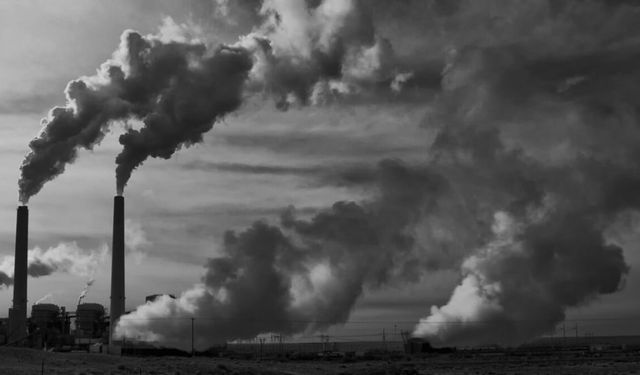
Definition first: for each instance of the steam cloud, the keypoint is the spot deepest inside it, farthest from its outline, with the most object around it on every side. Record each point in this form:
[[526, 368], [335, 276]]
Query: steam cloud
[[65, 257]]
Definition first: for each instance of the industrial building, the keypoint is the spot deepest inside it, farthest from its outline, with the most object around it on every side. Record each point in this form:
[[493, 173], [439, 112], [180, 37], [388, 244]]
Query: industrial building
[[49, 325]]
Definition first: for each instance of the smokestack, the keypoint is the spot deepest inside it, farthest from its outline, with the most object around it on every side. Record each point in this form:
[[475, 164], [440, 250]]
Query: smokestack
[[18, 313], [117, 263]]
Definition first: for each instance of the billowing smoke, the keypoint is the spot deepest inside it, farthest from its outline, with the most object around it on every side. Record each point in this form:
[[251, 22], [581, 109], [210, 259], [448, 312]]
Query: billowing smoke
[[548, 195], [299, 54], [178, 86], [305, 275], [66, 257], [307, 54]]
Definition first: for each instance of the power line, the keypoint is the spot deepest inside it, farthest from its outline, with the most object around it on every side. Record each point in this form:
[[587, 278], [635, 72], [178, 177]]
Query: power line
[[453, 322]]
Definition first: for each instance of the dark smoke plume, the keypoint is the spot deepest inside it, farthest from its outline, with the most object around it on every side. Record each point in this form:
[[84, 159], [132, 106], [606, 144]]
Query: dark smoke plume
[[299, 54], [177, 87]]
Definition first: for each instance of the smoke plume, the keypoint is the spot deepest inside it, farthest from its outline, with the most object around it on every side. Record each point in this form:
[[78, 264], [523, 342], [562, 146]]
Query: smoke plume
[[65, 258], [85, 290], [305, 275], [178, 86], [548, 199]]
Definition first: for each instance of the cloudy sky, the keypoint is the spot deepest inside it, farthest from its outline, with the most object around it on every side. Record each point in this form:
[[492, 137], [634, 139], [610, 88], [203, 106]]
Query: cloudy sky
[[480, 157]]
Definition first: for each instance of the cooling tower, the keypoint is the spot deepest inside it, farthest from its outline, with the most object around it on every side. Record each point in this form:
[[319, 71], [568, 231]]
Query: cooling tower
[[117, 264], [18, 313]]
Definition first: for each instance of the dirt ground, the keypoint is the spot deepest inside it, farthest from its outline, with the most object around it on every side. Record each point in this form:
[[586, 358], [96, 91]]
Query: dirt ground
[[20, 361]]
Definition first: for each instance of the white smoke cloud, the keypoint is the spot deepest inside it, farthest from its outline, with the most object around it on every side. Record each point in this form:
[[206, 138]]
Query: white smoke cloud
[[66, 257], [477, 299]]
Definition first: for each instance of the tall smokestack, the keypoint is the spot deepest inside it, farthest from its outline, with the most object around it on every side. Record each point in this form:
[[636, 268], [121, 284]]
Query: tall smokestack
[[18, 313], [117, 263]]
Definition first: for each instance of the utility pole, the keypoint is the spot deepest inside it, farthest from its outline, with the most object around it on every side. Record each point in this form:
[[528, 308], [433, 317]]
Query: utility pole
[[405, 341], [192, 332], [262, 340], [325, 340], [384, 340], [278, 339]]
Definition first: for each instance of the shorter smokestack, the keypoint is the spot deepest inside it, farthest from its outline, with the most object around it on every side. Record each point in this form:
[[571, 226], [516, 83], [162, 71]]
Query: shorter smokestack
[[117, 264], [18, 313]]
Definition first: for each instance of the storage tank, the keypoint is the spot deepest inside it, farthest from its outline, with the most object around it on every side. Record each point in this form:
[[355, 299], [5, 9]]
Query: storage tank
[[45, 315], [90, 320]]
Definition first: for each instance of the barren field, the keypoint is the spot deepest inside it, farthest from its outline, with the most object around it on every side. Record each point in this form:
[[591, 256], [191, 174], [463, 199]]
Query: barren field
[[26, 361]]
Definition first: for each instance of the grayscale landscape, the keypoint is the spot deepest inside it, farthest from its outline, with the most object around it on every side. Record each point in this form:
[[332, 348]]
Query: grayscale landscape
[[320, 187]]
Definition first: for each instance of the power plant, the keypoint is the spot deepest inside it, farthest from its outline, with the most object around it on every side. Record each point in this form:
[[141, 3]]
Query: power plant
[[49, 325]]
